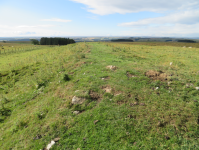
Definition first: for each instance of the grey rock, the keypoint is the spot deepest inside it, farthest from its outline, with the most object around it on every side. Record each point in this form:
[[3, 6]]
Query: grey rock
[[76, 112], [78, 100]]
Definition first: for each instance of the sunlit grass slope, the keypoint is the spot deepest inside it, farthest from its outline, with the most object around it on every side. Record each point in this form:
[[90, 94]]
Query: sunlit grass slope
[[149, 101]]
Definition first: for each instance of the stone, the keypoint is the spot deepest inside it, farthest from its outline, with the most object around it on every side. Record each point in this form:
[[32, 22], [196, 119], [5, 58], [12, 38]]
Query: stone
[[197, 88], [169, 83], [78, 100], [96, 121], [76, 112], [188, 85], [142, 104], [111, 67], [56, 139], [50, 145]]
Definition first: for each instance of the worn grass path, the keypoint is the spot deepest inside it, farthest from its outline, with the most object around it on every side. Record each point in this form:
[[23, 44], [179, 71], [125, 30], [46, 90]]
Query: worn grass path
[[138, 112]]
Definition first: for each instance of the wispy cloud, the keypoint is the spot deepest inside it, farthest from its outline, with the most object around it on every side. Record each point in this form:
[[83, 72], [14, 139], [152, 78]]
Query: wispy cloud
[[104, 7], [93, 17], [26, 26], [186, 17], [56, 20]]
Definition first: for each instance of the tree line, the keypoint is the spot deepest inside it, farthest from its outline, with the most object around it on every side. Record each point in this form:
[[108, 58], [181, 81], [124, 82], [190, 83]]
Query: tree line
[[56, 41], [187, 41], [122, 40], [52, 41]]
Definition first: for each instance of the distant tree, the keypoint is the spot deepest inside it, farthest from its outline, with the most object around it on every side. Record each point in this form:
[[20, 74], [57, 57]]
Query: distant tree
[[34, 41], [4, 41], [56, 41], [187, 41]]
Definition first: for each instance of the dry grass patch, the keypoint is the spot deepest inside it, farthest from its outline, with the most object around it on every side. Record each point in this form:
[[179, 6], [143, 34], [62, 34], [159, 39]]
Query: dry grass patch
[[107, 89], [156, 75]]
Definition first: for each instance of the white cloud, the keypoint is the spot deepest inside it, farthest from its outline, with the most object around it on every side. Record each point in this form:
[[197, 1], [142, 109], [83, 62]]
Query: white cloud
[[26, 26], [56, 20], [177, 30], [104, 7], [186, 17]]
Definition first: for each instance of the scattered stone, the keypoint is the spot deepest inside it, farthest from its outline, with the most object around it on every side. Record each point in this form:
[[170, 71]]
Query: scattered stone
[[117, 93], [184, 46], [169, 83], [56, 139], [76, 91], [197, 88], [96, 121], [84, 138], [171, 63], [78, 100], [132, 104], [156, 88], [78, 149], [111, 67], [160, 124], [190, 47], [142, 104], [127, 133], [105, 78], [76, 112], [129, 75], [188, 85], [38, 136], [195, 101], [50, 145]]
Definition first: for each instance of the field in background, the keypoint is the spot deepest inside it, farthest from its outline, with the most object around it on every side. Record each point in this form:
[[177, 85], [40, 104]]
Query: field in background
[[149, 100], [17, 47], [176, 44]]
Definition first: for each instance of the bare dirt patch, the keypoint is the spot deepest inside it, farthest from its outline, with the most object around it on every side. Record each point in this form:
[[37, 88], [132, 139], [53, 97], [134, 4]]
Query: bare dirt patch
[[129, 75], [105, 78], [155, 75], [107, 89], [94, 95]]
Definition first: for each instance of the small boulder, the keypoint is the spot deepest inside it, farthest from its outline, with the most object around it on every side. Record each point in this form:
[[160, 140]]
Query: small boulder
[[76, 112], [142, 104], [78, 100], [56, 139], [111, 67], [50, 145], [188, 85]]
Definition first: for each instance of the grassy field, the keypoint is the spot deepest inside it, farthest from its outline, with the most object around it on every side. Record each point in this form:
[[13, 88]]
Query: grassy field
[[17, 47], [147, 99]]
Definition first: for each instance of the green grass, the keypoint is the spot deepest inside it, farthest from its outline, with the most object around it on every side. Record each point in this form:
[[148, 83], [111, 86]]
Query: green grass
[[37, 88]]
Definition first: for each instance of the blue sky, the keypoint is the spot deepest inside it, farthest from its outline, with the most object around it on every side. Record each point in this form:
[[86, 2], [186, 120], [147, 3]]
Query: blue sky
[[179, 18]]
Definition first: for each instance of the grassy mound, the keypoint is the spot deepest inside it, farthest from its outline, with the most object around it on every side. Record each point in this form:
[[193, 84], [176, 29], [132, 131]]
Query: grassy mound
[[132, 97]]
